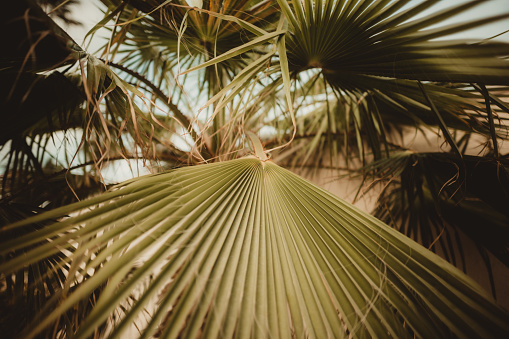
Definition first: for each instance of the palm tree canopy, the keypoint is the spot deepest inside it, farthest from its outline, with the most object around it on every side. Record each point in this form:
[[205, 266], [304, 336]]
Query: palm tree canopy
[[235, 246]]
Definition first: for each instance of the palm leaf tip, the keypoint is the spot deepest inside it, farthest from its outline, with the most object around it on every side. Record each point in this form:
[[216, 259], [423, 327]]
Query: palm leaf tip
[[244, 248]]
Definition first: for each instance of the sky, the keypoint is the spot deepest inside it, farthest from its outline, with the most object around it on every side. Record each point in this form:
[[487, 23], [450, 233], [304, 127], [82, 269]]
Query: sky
[[487, 8]]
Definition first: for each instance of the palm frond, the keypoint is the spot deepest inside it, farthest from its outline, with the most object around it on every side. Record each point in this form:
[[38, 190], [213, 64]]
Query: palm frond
[[27, 291], [246, 248], [425, 192], [373, 38]]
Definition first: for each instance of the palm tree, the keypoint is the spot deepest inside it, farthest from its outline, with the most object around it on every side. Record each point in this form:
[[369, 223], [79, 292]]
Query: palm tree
[[221, 240]]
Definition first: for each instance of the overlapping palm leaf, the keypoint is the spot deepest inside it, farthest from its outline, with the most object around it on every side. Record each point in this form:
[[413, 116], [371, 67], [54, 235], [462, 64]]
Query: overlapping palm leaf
[[27, 291], [167, 38], [425, 192], [377, 49], [157, 28], [95, 107], [381, 38], [81, 116], [373, 54]]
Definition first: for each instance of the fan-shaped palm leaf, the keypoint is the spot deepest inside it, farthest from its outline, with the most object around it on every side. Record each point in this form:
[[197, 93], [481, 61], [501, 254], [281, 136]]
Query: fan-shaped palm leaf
[[346, 38], [245, 248], [377, 49]]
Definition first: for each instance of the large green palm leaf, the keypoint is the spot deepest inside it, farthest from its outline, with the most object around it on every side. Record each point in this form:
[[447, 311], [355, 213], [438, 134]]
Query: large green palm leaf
[[245, 248]]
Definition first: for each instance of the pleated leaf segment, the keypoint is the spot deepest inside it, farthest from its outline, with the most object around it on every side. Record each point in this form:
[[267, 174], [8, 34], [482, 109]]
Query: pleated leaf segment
[[245, 248]]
